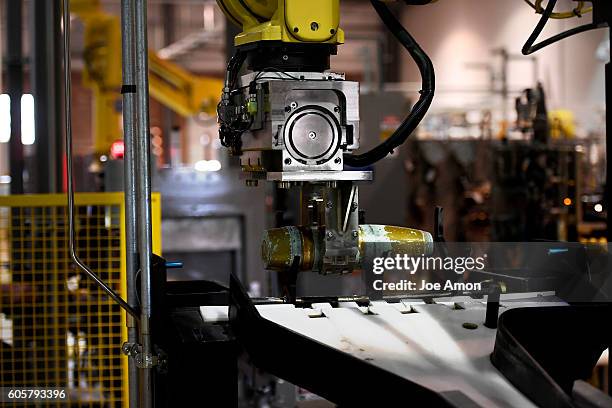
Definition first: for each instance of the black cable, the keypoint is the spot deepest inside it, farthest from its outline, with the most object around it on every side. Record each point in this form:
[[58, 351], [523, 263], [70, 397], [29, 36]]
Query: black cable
[[420, 108], [530, 48], [227, 135], [233, 68]]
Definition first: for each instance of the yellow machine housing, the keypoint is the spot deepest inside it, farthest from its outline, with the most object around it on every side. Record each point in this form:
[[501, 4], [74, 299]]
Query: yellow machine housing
[[288, 21]]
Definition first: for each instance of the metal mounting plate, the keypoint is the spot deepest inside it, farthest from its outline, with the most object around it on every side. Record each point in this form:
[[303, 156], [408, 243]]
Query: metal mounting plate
[[320, 176]]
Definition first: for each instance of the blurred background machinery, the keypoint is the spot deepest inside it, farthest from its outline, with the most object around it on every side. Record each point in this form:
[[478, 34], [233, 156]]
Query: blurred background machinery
[[538, 181]]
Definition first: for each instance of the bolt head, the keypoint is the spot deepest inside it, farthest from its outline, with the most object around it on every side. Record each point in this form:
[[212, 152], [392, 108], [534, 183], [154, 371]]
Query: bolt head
[[355, 234], [330, 235]]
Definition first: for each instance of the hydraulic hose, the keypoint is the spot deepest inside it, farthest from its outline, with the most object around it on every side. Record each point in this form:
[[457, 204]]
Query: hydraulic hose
[[420, 108], [530, 47]]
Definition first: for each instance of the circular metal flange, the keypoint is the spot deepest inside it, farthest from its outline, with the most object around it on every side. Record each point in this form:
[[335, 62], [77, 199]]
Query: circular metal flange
[[312, 135]]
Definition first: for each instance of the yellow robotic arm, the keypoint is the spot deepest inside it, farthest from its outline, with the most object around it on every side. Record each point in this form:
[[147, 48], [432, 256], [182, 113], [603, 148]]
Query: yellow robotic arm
[[102, 70], [180, 90], [171, 85], [295, 123], [288, 21]]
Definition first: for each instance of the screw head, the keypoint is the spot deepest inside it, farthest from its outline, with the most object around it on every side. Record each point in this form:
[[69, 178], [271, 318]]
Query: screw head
[[355, 234], [337, 160], [312, 135], [314, 26], [285, 57], [330, 235], [287, 161], [328, 204], [293, 105]]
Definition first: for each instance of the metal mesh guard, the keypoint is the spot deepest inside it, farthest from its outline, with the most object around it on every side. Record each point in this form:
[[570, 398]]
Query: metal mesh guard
[[57, 329]]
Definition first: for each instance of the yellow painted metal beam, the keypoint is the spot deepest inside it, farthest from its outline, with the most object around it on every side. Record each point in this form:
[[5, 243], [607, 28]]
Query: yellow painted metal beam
[[171, 85], [180, 90]]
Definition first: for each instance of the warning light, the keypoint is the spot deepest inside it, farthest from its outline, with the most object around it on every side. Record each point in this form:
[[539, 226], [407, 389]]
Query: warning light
[[567, 201], [117, 149]]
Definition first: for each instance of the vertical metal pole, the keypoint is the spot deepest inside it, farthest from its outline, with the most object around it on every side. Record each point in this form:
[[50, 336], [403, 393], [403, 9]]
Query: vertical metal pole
[[129, 174], [46, 60], [143, 198], [59, 101], [168, 18], [14, 79]]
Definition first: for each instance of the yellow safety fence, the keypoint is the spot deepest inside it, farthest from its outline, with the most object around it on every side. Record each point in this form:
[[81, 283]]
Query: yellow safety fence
[[57, 328]]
